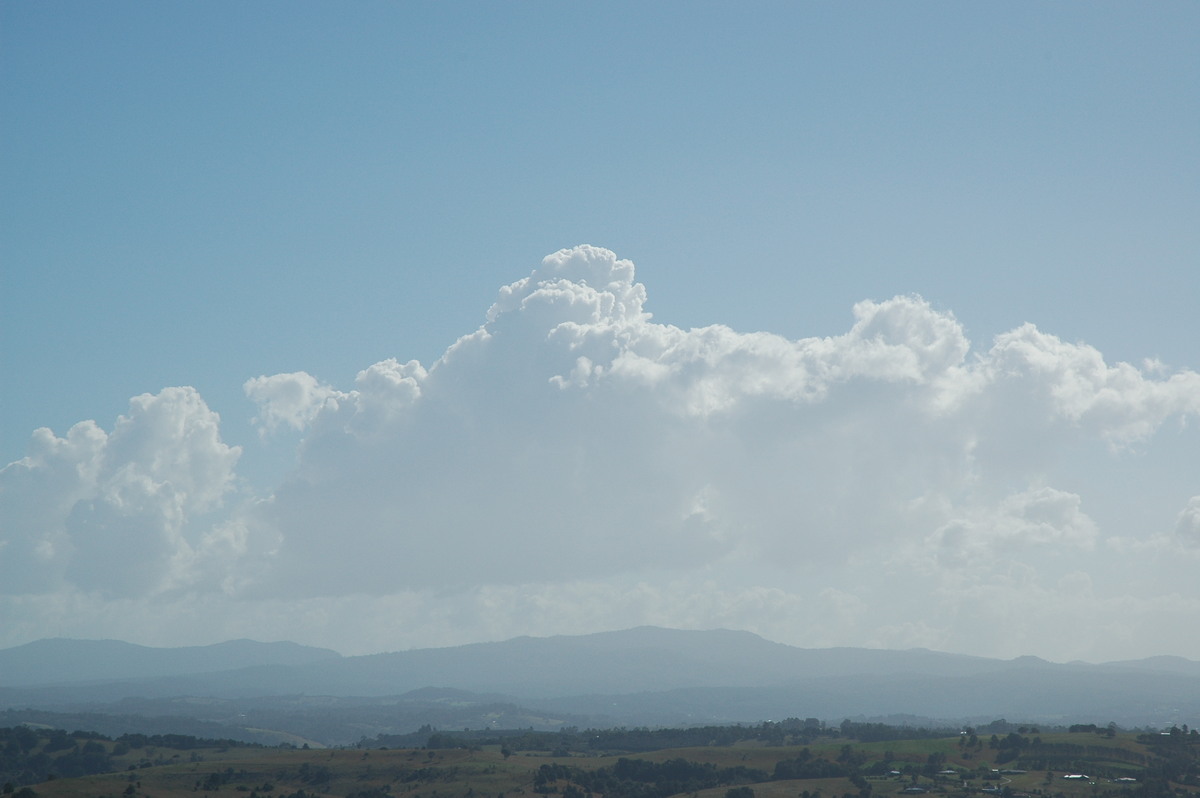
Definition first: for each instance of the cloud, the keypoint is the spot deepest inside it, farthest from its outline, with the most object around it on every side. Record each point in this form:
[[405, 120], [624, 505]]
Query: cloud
[[111, 512], [288, 400], [1074, 384], [1037, 517], [1188, 526], [575, 464]]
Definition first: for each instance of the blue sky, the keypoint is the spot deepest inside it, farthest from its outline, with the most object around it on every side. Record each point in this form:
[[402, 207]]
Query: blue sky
[[199, 195]]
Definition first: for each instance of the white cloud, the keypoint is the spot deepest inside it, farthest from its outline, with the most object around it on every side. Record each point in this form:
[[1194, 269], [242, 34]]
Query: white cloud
[[1118, 402], [291, 400], [110, 512], [574, 464], [1036, 517], [1188, 526]]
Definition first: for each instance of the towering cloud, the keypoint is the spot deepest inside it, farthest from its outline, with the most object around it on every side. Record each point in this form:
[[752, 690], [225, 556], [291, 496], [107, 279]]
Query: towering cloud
[[574, 464]]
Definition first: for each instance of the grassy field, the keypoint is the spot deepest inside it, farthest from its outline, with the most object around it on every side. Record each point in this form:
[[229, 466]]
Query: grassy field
[[245, 772]]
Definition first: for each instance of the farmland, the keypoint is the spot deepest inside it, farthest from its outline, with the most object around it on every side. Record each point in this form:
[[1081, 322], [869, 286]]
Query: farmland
[[826, 763]]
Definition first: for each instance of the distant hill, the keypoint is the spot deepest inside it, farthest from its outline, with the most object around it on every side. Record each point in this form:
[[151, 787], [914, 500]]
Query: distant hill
[[60, 660], [644, 676], [631, 661], [635, 660]]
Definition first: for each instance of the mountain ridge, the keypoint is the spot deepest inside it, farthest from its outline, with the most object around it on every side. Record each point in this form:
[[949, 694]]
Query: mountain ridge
[[693, 655], [642, 676], [60, 660]]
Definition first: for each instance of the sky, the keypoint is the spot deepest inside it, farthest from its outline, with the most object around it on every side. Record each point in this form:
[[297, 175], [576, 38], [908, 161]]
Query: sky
[[380, 326]]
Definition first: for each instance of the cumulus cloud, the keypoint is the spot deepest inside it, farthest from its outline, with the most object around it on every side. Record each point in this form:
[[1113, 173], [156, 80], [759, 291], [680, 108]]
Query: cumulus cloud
[[575, 464], [111, 512], [288, 400], [1040, 516], [1188, 526], [1075, 385]]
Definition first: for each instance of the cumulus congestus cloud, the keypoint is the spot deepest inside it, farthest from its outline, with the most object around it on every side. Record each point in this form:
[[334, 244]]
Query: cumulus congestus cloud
[[576, 464]]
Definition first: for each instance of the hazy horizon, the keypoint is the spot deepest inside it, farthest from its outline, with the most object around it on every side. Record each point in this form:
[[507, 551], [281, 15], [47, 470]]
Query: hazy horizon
[[397, 326], [274, 642]]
